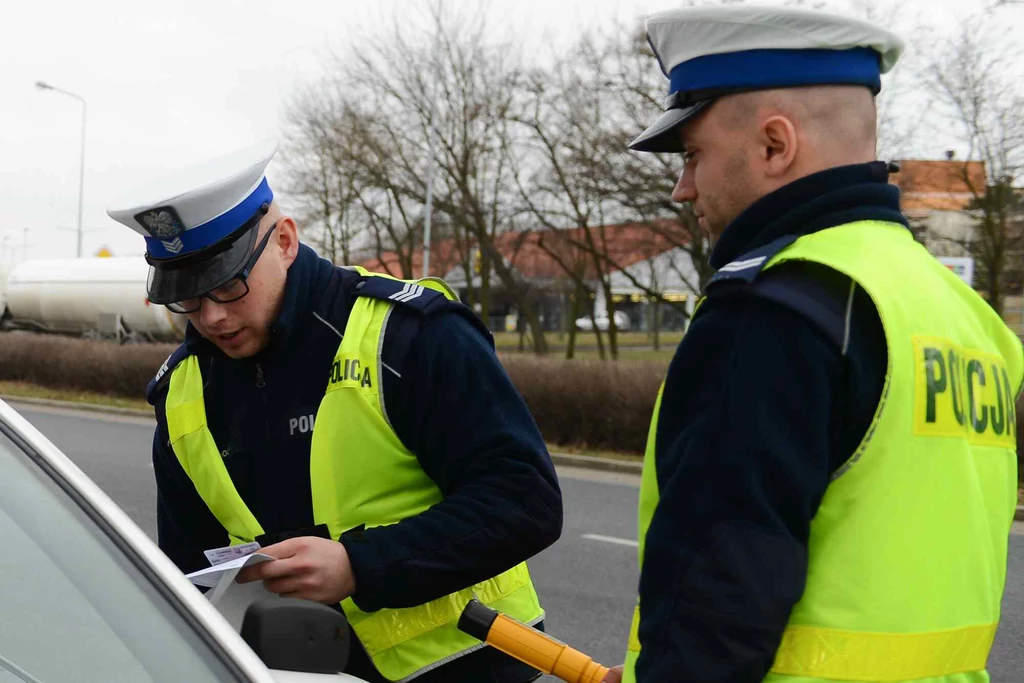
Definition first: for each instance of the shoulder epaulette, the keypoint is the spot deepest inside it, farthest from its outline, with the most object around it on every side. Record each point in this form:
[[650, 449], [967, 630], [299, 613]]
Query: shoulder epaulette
[[405, 293], [747, 267], [163, 375], [821, 295]]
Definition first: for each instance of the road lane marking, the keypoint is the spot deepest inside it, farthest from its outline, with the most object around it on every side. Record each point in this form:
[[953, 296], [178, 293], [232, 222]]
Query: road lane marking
[[611, 539]]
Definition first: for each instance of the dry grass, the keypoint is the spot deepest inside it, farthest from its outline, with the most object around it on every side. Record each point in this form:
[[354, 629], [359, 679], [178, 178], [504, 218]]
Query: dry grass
[[16, 390]]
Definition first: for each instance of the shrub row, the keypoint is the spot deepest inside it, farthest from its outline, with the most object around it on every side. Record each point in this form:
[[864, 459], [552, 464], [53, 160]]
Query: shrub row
[[87, 365], [588, 403], [582, 404]]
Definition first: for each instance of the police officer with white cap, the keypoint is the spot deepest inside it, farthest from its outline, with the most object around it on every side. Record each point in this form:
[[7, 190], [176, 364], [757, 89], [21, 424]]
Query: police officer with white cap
[[830, 475], [359, 428]]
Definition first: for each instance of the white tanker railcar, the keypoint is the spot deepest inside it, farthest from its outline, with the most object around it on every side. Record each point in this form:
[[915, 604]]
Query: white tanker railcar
[[97, 297]]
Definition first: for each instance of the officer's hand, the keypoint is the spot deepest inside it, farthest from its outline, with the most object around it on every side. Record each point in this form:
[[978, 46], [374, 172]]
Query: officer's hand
[[308, 567], [614, 675]]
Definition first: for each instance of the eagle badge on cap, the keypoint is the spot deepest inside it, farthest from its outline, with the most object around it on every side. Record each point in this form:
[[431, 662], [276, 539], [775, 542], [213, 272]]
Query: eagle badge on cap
[[162, 223]]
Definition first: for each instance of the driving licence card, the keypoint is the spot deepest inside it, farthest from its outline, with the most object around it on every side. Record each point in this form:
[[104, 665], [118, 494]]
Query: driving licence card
[[232, 552]]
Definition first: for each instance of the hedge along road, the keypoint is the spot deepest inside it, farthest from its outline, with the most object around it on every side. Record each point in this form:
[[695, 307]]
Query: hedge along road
[[586, 581]]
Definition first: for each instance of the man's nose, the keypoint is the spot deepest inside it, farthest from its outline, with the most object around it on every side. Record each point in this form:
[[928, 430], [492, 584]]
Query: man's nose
[[685, 190], [212, 313]]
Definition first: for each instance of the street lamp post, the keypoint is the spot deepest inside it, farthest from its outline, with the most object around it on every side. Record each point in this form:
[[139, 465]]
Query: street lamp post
[[81, 165]]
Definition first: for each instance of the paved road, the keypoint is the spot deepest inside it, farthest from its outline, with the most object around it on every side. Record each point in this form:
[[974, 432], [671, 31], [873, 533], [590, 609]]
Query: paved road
[[586, 581]]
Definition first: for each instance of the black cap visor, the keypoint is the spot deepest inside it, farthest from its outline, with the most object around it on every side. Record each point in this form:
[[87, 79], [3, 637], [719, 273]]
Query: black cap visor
[[663, 134], [177, 279]]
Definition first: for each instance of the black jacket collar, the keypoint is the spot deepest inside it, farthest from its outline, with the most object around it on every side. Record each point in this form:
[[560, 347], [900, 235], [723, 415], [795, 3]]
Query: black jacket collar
[[816, 202]]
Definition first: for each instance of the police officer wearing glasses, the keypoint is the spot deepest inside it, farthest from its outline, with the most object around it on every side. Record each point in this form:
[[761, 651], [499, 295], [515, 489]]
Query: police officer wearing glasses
[[359, 428]]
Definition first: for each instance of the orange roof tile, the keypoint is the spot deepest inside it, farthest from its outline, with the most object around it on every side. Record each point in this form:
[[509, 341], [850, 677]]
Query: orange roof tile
[[536, 254], [938, 185], [444, 256]]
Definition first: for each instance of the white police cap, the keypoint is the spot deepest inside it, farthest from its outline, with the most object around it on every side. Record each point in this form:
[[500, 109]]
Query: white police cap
[[200, 223], [707, 52]]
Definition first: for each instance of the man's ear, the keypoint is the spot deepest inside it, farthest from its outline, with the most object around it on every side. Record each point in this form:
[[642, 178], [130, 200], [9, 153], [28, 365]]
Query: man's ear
[[778, 145], [287, 239]]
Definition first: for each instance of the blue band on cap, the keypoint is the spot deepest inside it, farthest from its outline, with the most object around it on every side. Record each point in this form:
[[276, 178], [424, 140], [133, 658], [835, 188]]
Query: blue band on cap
[[765, 69], [211, 232]]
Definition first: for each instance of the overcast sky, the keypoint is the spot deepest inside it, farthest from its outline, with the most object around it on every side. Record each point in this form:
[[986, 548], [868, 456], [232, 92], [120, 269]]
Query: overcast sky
[[170, 83]]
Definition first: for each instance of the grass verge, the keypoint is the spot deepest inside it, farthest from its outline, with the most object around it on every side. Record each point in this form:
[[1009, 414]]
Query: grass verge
[[640, 341], [611, 455], [23, 389]]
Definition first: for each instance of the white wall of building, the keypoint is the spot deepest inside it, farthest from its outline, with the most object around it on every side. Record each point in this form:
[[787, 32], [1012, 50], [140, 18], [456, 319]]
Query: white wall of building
[[947, 231]]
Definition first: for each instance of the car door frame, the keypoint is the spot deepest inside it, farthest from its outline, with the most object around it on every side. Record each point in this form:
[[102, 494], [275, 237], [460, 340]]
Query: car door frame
[[194, 610]]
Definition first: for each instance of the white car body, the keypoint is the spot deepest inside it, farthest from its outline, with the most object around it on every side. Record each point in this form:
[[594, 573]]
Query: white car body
[[179, 608], [621, 322]]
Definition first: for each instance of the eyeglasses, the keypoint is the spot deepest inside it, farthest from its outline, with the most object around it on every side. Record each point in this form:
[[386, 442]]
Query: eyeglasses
[[232, 290]]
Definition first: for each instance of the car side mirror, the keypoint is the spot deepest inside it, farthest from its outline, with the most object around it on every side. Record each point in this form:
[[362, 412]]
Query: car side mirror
[[297, 635]]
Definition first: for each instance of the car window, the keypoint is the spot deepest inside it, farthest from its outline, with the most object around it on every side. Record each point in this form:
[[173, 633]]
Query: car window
[[72, 606]]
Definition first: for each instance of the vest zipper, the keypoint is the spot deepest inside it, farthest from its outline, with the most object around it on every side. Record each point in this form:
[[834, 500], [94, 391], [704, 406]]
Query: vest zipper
[[259, 377]]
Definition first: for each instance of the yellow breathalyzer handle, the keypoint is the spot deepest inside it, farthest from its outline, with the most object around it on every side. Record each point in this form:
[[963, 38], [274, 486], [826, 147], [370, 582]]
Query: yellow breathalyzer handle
[[529, 645]]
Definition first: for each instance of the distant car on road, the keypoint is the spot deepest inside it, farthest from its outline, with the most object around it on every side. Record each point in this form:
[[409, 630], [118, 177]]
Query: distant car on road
[[621, 322], [88, 597]]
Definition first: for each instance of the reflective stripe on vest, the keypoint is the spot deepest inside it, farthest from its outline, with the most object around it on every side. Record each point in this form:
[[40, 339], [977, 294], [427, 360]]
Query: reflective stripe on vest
[[360, 474], [891, 657], [902, 585], [647, 503], [192, 444]]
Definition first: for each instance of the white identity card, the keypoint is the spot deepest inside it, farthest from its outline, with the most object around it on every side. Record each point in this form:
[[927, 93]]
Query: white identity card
[[217, 556]]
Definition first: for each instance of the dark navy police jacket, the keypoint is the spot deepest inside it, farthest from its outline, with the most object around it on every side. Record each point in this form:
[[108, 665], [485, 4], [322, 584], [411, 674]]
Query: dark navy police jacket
[[449, 401], [768, 394]]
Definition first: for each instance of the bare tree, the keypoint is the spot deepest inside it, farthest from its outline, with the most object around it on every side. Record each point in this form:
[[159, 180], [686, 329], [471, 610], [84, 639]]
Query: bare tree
[[580, 183], [321, 182], [574, 263], [347, 193], [516, 151], [457, 85], [639, 186], [440, 75], [976, 81], [563, 123]]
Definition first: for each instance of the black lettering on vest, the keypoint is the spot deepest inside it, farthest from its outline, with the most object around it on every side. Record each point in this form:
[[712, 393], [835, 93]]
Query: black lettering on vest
[[347, 364], [979, 422], [997, 425], [935, 380], [366, 378], [336, 372], [955, 377], [355, 374], [1011, 413]]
